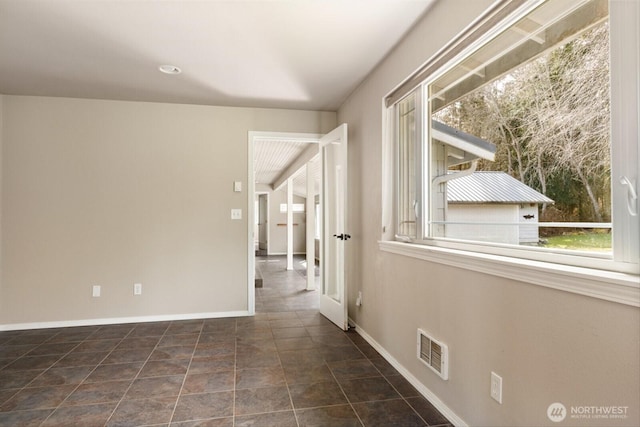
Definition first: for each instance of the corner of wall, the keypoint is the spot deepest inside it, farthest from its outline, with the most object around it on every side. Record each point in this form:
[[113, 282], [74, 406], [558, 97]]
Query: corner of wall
[[1, 173]]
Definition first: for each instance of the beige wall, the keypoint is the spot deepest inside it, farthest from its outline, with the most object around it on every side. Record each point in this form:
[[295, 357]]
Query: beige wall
[[115, 193], [549, 346]]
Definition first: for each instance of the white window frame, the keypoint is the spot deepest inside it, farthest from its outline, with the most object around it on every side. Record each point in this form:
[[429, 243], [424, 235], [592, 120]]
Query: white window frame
[[613, 279]]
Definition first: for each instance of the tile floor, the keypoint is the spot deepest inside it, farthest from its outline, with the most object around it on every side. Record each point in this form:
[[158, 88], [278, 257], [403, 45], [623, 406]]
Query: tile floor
[[280, 368], [284, 290]]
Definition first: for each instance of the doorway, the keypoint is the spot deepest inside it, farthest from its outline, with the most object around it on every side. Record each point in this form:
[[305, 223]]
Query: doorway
[[300, 152], [277, 162]]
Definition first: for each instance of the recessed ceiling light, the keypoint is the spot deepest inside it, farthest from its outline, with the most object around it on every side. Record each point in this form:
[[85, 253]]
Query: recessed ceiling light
[[170, 69]]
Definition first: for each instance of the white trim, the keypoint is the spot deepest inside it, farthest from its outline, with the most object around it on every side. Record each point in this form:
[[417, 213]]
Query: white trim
[[287, 136], [625, 127], [420, 387], [118, 320], [289, 223], [251, 253], [591, 277], [606, 285]]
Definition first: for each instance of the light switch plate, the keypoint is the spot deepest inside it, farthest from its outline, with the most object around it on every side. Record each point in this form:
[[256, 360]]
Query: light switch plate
[[237, 186], [236, 213]]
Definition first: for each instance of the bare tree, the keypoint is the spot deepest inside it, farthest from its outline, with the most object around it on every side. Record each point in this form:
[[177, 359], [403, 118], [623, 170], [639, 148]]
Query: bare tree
[[550, 120]]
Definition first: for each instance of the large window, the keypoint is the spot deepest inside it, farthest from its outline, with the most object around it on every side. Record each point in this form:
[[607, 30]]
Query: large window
[[517, 144]]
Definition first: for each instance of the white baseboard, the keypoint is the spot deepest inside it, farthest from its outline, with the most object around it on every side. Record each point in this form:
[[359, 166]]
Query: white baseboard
[[117, 320], [422, 389]]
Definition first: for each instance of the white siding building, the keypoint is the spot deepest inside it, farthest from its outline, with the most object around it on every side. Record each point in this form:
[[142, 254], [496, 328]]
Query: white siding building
[[492, 197]]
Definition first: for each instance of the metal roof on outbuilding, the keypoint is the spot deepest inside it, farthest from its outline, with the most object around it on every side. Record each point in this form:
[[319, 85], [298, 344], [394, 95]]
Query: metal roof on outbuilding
[[492, 187]]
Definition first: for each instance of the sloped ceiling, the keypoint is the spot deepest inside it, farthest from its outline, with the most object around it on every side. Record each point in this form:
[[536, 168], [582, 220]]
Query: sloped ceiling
[[297, 54], [306, 54]]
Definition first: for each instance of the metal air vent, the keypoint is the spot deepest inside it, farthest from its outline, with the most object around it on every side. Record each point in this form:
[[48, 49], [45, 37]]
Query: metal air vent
[[434, 354]]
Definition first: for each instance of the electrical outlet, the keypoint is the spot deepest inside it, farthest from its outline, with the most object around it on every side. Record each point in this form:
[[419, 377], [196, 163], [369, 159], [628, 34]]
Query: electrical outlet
[[496, 387], [137, 288], [95, 291], [359, 299], [236, 213]]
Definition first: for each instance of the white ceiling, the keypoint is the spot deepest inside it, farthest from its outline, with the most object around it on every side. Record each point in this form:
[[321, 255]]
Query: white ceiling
[[301, 54], [273, 156], [298, 54]]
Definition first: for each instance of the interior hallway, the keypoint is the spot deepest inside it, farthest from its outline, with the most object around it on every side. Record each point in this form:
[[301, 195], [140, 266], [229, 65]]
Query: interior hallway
[[285, 290], [286, 366]]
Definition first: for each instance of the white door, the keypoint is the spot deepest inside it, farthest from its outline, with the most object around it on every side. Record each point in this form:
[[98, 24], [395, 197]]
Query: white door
[[333, 199]]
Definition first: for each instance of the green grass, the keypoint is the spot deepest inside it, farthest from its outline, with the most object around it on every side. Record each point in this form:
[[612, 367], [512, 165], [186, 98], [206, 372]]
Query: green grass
[[584, 241]]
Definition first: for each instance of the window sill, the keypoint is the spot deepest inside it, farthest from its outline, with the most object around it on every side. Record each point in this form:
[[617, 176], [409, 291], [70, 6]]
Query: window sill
[[606, 285]]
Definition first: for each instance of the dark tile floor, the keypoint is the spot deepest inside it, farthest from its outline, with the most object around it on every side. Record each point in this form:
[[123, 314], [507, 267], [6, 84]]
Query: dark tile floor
[[279, 368]]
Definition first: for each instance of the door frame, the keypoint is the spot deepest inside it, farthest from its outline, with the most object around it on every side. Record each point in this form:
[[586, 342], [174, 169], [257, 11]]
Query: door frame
[[258, 195], [251, 194]]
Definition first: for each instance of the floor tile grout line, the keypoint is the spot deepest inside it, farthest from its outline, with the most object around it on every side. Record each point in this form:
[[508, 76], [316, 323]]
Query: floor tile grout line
[[184, 380], [137, 375], [279, 411], [304, 314], [26, 354], [344, 394], [286, 383], [398, 391], [47, 369], [235, 373], [89, 374], [415, 410]]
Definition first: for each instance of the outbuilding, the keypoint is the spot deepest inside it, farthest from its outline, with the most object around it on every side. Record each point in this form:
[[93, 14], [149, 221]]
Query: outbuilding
[[493, 197]]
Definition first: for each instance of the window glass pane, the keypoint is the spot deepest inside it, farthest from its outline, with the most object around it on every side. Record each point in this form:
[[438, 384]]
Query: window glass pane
[[297, 207], [406, 124], [317, 210], [532, 109]]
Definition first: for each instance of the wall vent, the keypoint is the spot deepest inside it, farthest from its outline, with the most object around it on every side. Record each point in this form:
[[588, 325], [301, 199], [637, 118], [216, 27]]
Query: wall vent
[[434, 354]]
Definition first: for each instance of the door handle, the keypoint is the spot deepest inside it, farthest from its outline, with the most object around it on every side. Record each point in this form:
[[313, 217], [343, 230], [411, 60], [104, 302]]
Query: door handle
[[343, 236], [632, 196]]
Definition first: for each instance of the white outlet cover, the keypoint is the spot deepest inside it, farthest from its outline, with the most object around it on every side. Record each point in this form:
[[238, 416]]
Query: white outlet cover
[[95, 291], [236, 213], [137, 288], [496, 387], [237, 186]]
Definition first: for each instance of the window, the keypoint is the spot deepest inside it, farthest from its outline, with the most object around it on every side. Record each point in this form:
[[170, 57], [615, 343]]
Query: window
[[407, 165], [297, 208], [517, 146]]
